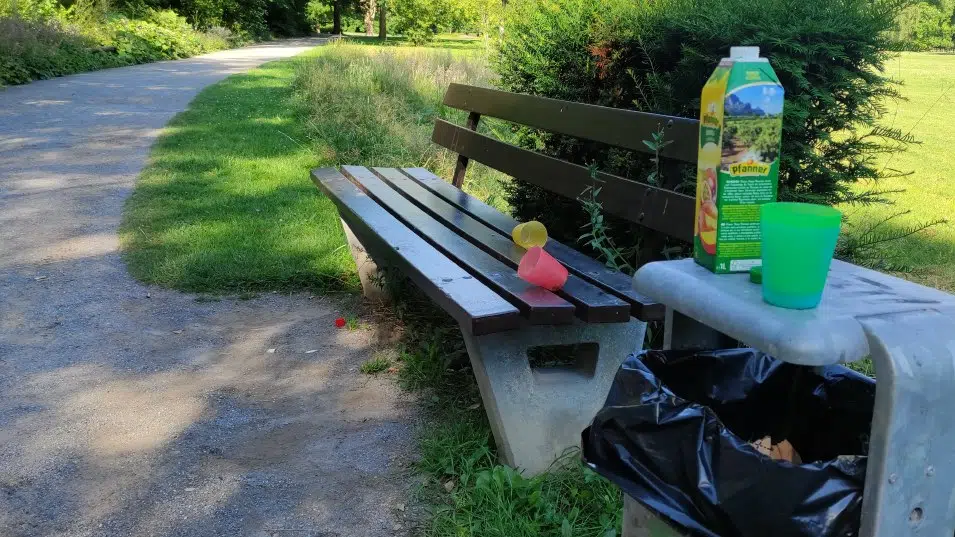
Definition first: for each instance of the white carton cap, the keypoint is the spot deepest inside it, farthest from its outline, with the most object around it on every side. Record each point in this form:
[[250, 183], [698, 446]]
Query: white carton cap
[[744, 53]]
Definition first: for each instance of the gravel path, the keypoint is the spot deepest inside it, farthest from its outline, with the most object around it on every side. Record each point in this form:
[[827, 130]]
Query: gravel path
[[129, 410]]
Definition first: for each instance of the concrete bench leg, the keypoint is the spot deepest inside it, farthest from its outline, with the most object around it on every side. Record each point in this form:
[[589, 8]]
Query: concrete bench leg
[[368, 271], [536, 414], [909, 476]]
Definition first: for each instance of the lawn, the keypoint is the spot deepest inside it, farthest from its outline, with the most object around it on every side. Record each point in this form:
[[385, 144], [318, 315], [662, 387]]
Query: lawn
[[929, 114], [225, 204]]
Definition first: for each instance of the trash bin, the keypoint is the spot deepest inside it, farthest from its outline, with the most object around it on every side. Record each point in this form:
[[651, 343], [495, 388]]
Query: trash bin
[[678, 429]]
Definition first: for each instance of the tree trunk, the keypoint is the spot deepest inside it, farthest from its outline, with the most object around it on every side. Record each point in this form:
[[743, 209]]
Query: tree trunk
[[382, 24], [336, 18], [370, 8]]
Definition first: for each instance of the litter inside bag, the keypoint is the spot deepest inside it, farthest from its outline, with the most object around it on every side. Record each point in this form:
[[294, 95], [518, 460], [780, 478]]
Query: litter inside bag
[[677, 433]]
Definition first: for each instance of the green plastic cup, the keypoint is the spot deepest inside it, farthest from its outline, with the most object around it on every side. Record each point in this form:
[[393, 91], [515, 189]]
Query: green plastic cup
[[798, 242]]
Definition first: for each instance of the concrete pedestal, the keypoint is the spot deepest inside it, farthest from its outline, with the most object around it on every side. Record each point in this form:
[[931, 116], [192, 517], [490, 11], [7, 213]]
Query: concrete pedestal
[[537, 414]]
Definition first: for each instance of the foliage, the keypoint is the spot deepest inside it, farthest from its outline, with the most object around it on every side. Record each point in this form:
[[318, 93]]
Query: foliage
[[318, 14], [41, 39], [655, 56], [31, 50], [250, 19], [418, 19], [596, 234], [927, 25], [870, 244], [286, 17], [421, 20], [142, 41]]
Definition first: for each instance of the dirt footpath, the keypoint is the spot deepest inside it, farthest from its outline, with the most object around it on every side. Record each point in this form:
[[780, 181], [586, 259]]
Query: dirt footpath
[[127, 410]]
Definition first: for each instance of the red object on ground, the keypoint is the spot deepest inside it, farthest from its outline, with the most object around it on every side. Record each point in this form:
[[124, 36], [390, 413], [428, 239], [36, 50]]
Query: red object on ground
[[340, 322], [539, 268]]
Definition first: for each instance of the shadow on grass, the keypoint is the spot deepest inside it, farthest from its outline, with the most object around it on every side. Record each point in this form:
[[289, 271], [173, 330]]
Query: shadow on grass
[[226, 203], [923, 257]]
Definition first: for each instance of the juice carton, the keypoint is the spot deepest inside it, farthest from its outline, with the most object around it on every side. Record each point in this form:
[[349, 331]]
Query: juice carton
[[741, 120]]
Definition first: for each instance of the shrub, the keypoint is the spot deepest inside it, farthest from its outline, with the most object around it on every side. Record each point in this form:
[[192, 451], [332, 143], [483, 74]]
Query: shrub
[[32, 50], [218, 38], [83, 37], [656, 56], [145, 41]]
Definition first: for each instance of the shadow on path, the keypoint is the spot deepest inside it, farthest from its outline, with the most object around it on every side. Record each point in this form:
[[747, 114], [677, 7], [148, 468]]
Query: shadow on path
[[130, 410]]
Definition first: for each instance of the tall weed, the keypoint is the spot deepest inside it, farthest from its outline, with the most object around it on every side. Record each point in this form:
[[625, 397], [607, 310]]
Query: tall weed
[[376, 107]]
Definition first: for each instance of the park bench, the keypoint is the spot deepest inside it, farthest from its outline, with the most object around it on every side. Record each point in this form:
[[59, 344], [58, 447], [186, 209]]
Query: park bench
[[458, 250]]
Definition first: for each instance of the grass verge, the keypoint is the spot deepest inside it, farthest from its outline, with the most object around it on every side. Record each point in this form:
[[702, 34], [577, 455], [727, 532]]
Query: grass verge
[[225, 203]]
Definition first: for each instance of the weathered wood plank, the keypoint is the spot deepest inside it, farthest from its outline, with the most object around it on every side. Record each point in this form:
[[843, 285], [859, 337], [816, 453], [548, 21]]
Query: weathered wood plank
[[467, 300], [593, 305], [583, 266], [538, 305], [612, 126], [655, 208]]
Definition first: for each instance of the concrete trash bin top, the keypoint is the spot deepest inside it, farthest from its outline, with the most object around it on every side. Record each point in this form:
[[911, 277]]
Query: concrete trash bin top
[[829, 333]]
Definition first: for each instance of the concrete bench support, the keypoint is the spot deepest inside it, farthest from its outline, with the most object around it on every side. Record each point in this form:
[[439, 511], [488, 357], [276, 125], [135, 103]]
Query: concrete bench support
[[368, 271], [908, 485], [536, 414]]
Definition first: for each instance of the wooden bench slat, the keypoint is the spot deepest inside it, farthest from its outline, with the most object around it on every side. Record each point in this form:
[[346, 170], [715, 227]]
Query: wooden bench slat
[[612, 126], [592, 304], [586, 267], [655, 208], [466, 299], [538, 305]]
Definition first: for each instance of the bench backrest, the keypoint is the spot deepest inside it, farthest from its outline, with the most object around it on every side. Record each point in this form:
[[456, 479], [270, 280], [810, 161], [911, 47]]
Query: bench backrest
[[656, 208]]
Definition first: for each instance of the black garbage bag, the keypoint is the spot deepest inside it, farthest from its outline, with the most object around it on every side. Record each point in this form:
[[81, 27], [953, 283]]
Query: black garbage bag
[[676, 432]]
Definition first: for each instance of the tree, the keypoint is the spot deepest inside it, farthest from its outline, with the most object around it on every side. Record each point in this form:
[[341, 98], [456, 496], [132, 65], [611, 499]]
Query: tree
[[370, 7], [336, 17], [382, 24]]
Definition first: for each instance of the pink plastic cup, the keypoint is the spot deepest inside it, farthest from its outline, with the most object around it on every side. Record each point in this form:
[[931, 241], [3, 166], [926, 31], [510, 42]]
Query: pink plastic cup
[[539, 268]]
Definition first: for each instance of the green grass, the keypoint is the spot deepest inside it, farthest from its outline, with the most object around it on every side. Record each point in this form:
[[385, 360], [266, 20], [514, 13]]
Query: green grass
[[374, 365], [225, 203], [929, 114]]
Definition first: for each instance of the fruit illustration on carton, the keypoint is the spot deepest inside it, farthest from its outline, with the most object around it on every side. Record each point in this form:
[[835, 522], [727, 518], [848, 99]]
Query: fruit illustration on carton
[[738, 165]]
